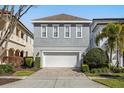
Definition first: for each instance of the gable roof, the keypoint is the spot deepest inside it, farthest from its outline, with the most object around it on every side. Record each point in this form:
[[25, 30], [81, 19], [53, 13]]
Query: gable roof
[[61, 17]]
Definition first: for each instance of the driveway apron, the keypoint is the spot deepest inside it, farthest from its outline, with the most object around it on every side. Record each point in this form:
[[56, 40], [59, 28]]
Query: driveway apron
[[55, 78]]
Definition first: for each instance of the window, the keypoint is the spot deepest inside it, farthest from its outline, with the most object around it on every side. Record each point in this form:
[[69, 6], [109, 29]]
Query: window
[[78, 31], [17, 32], [67, 31], [44, 31], [55, 31], [26, 38], [22, 35]]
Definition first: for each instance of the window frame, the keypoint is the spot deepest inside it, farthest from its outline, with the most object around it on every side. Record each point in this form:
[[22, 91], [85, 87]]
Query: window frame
[[65, 30], [77, 30], [54, 30], [41, 30]]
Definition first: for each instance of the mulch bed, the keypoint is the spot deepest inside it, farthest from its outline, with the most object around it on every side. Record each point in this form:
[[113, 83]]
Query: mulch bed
[[6, 74], [6, 81]]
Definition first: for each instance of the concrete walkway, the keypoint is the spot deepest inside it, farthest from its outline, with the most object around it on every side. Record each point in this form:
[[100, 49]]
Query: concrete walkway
[[55, 78], [14, 77]]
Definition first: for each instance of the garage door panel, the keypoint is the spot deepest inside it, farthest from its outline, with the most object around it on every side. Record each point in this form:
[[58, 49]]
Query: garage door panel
[[60, 60]]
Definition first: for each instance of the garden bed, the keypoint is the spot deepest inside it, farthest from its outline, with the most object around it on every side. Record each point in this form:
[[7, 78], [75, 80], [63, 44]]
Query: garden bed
[[6, 81]]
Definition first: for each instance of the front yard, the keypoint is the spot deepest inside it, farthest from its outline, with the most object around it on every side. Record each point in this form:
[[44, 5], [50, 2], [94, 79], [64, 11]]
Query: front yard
[[15, 76], [113, 80], [17, 70]]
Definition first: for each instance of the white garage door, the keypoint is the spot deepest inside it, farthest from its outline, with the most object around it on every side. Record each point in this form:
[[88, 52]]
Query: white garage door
[[60, 61]]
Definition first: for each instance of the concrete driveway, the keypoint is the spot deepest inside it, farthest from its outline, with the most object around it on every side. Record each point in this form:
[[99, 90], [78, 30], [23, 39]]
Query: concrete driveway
[[55, 78]]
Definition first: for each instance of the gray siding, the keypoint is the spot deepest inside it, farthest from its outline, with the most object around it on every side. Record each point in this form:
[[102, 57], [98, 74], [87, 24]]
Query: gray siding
[[96, 31], [61, 41]]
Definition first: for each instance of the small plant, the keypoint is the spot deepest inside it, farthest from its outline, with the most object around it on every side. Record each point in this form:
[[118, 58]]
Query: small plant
[[85, 68], [6, 68], [29, 62]]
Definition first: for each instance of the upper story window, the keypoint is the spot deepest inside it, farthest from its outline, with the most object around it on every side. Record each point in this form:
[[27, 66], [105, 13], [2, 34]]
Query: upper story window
[[67, 31], [55, 31], [22, 35], [26, 38], [78, 31], [17, 32], [44, 31]]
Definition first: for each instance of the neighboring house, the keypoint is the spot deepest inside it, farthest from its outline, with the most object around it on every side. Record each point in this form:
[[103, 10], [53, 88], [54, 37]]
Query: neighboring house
[[60, 40], [20, 43], [96, 28]]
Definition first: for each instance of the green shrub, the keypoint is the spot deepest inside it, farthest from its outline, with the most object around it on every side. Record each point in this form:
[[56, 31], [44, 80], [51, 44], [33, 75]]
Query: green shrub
[[96, 58], [85, 68], [94, 70], [116, 69], [6, 68], [122, 70], [29, 62], [100, 70], [37, 62]]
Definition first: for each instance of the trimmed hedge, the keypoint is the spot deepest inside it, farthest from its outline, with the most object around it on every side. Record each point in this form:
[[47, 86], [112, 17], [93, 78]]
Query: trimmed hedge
[[96, 58], [28, 61], [117, 69], [85, 68], [37, 62], [100, 70], [6, 68]]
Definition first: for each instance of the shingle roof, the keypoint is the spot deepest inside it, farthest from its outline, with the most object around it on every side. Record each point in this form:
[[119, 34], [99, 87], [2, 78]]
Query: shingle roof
[[62, 17]]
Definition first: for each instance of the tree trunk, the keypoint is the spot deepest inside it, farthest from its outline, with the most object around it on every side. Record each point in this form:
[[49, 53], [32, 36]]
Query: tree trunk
[[110, 60], [117, 55]]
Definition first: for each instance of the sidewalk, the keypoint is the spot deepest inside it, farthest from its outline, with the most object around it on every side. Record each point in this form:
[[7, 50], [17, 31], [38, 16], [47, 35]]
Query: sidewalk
[[14, 77]]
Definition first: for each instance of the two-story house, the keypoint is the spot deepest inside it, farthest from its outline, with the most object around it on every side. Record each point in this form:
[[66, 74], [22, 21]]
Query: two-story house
[[96, 28], [21, 41], [60, 40]]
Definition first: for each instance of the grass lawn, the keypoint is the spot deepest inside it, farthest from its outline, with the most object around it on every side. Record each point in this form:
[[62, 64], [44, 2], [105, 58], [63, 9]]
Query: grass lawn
[[113, 83], [23, 73]]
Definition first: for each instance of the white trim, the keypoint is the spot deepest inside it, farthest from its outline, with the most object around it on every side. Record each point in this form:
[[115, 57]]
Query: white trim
[[69, 30], [61, 21], [81, 30], [41, 30], [60, 51], [53, 30]]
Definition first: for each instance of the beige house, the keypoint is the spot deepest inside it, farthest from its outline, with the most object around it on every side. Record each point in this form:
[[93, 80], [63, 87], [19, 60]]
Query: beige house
[[21, 42]]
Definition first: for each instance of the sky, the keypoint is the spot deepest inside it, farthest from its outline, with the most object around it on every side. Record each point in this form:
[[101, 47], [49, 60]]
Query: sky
[[84, 11]]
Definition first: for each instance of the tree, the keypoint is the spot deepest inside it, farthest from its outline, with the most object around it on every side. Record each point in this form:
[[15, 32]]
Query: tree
[[108, 32], [9, 17], [119, 40]]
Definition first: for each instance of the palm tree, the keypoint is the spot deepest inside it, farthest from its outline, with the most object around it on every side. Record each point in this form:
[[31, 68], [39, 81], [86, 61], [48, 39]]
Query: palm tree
[[108, 32], [119, 41]]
